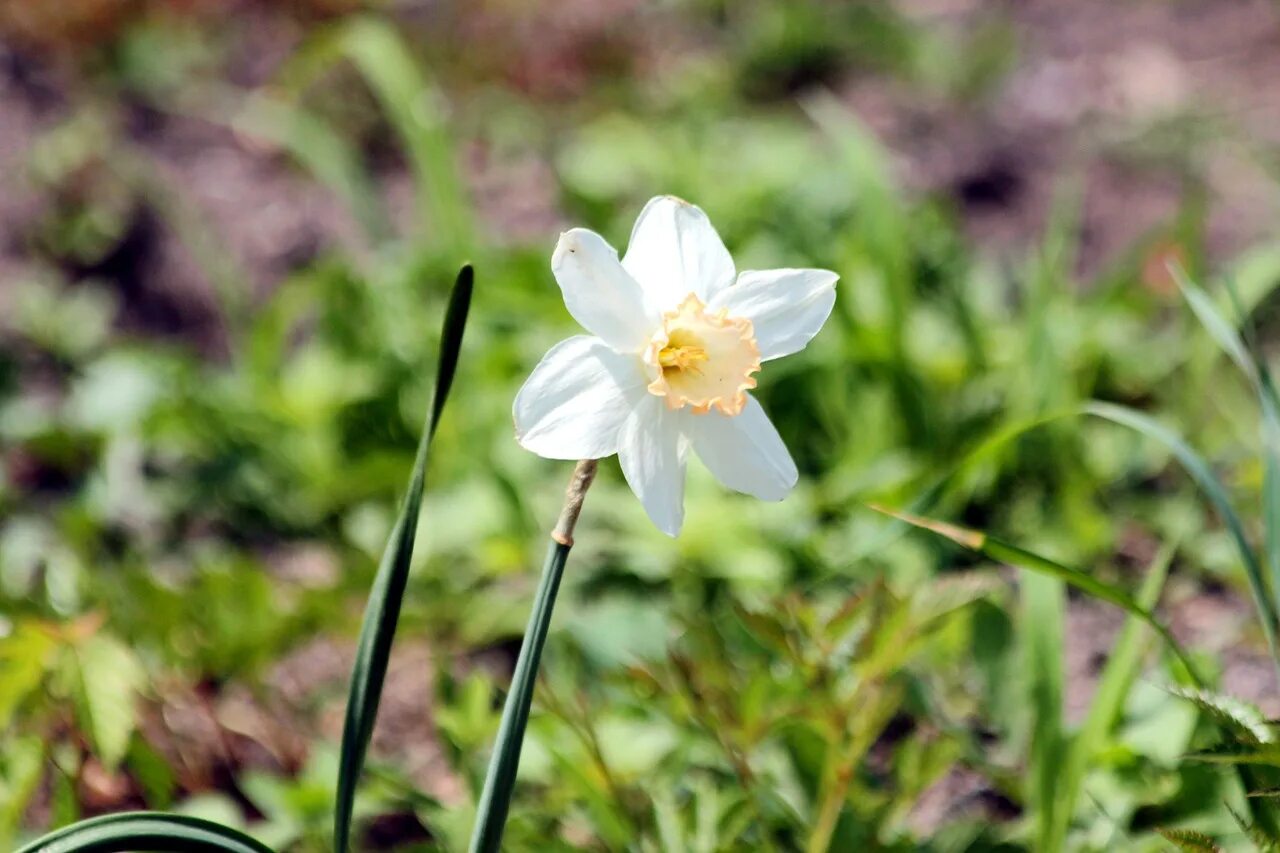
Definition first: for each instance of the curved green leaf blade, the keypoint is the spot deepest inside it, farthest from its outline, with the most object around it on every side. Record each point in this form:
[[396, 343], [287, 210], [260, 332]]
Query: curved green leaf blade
[[1254, 368], [1218, 327], [136, 832], [414, 109], [1012, 555], [383, 610], [1200, 471], [500, 780]]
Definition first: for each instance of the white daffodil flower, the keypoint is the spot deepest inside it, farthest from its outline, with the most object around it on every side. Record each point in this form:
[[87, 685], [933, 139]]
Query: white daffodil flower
[[676, 340]]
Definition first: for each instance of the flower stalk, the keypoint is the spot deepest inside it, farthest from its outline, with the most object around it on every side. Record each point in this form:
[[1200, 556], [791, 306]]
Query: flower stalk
[[500, 780]]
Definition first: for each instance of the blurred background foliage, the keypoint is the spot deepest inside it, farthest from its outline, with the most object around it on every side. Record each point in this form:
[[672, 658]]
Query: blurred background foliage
[[226, 235]]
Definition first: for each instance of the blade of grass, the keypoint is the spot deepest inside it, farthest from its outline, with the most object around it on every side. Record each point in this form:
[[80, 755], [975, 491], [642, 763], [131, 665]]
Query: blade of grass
[[500, 780], [414, 109], [1269, 401], [1012, 555], [1200, 471], [934, 493], [882, 217], [1043, 608], [317, 146], [1222, 332], [1109, 697], [1191, 461], [135, 832], [383, 609], [1254, 368]]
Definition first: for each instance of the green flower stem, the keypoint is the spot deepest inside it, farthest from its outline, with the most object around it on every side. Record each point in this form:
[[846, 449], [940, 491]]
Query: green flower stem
[[495, 800]]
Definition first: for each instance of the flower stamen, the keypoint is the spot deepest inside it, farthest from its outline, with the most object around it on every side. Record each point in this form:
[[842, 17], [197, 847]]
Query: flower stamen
[[681, 358], [702, 360]]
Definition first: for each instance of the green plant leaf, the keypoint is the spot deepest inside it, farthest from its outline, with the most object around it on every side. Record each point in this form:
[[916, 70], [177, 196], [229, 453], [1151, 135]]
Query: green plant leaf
[[1239, 720], [1200, 471], [1266, 754], [1255, 370], [414, 109], [1222, 331], [1108, 702], [1044, 604], [109, 678], [1011, 554], [25, 657], [383, 610], [1190, 841], [21, 768], [136, 832], [318, 147], [1263, 841], [500, 780]]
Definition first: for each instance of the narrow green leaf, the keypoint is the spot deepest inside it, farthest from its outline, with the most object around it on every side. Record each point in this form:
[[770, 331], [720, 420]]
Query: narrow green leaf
[[136, 832], [1012, 555], [383, 610], [500, 780], [1108, 700], [1200, 471], [1267, 754], [415, 111], [1015, 556], [1044, 604], [981, 452], [1222, 331], [1255, 370], [319, 148]]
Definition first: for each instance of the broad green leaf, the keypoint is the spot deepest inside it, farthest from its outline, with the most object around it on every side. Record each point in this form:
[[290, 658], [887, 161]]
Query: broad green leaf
[[109, 678], [21, 767], [24, 659], [383, 610]]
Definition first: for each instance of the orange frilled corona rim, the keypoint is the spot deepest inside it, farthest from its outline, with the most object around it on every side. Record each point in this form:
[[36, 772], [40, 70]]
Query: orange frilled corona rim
[[702, 360]]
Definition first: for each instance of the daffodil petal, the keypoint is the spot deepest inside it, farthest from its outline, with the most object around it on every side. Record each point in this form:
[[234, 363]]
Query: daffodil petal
[[599, 293], [744, 451], [787, 307], [674, 251], [651, 451], [576, 400]]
